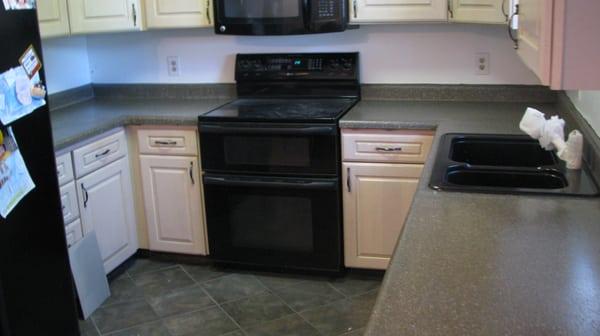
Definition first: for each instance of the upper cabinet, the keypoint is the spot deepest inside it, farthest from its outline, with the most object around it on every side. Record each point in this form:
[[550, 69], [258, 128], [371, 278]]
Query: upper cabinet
[[388, 11], [94, 16], [53, 17], [178, 13], [479, 11], [557, 39]]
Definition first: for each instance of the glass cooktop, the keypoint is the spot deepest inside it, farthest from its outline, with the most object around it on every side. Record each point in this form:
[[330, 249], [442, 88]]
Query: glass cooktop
[[283, 110]]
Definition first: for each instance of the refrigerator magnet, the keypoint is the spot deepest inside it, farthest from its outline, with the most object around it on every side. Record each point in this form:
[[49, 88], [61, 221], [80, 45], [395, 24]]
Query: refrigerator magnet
[[18, 4], [30, 62], [22, 95]]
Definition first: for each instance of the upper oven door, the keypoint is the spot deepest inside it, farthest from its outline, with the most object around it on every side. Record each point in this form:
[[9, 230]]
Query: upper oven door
[[260, 17], [299, 149]]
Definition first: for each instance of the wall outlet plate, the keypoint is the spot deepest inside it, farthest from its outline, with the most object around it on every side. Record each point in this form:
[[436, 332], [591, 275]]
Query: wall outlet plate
[[482, 63], [173, 66]]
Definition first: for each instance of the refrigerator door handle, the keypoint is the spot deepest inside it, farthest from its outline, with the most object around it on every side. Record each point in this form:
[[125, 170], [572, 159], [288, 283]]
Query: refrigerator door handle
[[86, 196]]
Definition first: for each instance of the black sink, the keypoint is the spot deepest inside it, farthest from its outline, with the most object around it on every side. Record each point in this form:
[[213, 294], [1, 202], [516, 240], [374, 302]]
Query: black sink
[[505, 164]]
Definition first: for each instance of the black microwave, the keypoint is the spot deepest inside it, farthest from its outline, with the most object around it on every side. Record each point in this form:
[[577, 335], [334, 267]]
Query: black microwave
[[280, 17]]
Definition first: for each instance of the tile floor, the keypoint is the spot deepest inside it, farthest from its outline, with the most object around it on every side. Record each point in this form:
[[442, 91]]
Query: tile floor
[[156, 298]]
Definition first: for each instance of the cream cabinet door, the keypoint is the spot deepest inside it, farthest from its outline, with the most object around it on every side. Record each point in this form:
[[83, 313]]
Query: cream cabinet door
[[377, 198], [535, 36], [385, 11], [106, 205], [479, 11], [53, 18], [95, 16], [173, 205], [178, 13]]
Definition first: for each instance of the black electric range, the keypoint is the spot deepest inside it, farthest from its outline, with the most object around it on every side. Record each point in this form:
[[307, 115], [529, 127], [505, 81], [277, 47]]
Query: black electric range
[[271, 161]]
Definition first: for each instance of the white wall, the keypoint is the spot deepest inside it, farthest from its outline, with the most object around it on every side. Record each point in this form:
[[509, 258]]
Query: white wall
[[66, 63], [588, 103], [441, 53]]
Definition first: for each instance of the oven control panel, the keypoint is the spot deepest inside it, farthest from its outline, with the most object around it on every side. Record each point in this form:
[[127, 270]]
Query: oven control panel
[[332, 66]]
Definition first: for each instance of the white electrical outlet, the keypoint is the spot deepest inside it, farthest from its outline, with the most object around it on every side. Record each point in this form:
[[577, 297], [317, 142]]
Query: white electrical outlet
[[482, 63], [173, 66]]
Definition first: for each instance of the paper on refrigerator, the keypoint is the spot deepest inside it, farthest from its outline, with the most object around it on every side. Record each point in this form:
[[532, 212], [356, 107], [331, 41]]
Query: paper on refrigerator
[[17, 97], [19, 4], [15, 182]]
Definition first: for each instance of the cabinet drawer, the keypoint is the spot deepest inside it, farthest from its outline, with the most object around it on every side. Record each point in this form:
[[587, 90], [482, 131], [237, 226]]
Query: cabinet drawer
[[64, 168], [99, 153], [167, 142], [386, 146], [68, 199], [74, 233]]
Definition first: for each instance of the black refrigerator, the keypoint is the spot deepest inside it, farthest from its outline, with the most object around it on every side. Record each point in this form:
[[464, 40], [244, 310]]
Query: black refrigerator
[[36, 289]]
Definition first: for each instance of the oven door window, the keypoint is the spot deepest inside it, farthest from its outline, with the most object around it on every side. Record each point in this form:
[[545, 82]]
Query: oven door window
[[282, 222], [297, 151], [262, 9]]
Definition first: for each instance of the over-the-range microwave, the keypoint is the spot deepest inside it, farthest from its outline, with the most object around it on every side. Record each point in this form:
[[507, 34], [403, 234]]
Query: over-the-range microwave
[[280, 17]]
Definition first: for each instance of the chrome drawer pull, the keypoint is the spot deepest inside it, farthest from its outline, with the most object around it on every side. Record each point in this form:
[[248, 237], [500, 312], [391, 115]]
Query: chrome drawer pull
[[387, 149], [165, 143]]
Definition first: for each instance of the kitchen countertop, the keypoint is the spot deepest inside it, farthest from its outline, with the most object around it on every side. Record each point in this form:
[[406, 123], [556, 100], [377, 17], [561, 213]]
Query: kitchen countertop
[[482, 264], [78, 122], [466, 264]]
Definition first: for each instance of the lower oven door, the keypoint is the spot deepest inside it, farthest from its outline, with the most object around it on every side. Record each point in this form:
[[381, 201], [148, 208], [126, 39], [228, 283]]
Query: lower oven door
[[279, 222], [273, 149]]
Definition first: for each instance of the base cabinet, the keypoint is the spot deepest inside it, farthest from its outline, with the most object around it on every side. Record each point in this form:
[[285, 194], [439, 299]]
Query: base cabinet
[[377, 198], [172, 200], [106, 205]]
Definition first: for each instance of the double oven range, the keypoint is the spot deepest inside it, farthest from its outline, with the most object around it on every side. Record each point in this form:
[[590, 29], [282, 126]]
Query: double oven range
[[271, 161]]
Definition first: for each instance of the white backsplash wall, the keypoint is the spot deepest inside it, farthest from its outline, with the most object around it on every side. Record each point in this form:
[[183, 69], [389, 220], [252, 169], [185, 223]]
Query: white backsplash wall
[[433, 53], [66, 63], [588, 104]]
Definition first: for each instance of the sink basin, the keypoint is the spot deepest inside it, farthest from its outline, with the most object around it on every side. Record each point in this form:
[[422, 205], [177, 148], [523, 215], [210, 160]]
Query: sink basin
[[493, 151], [505, 164]]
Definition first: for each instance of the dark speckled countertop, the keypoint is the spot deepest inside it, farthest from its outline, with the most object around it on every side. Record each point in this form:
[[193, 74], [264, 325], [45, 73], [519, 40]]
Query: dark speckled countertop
[[78, 122], [478, 264], [465, 264]]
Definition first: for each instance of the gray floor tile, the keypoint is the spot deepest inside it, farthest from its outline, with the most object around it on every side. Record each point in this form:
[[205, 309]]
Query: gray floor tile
[[274, 281], [202, 273], [355, 285], [233, 287], [308, 294], [182, 300], [257, 309], [141, 265], [123, 315], [87, 328], [209, 322], [291, 325], [122, 290], [342, 316], [148, 329], [162, 282]]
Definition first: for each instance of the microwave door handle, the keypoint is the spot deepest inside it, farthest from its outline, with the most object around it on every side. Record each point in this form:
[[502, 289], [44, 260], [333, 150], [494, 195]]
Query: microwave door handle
[[229, 182], [311, 130], [306, 11]]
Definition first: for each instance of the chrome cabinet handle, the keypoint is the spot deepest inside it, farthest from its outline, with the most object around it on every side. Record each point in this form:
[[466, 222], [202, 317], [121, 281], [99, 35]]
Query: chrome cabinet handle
[[106, 152], [514, 38], [208, 12], [165, 143], [134, 13], [354, 6], [504, 12], [86, 196], [450, 9], [348, 182], [192, 172], [388, 149]]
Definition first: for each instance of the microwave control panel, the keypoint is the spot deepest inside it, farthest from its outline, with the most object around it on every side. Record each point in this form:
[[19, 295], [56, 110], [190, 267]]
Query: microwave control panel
[[327, 9], [302, 66]]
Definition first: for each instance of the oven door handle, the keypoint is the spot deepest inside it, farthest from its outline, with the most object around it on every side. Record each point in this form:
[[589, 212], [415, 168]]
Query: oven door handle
[[296, 184], [309, 130]]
